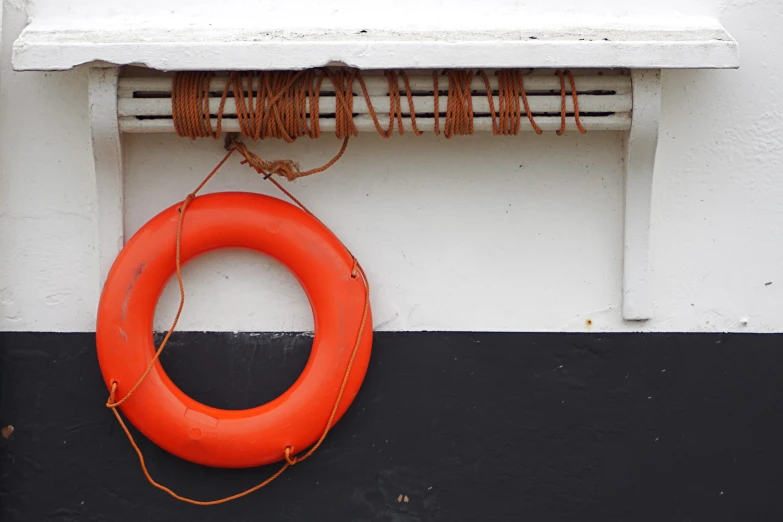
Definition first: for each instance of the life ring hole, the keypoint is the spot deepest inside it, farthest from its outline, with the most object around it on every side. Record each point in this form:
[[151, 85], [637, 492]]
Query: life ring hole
[[237, 296]]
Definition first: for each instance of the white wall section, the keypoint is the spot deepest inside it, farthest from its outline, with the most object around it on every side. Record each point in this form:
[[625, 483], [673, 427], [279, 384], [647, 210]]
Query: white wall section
[[475, 233]]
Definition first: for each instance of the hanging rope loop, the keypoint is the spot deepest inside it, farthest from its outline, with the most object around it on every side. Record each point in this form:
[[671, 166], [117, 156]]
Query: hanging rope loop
[[263, 167]]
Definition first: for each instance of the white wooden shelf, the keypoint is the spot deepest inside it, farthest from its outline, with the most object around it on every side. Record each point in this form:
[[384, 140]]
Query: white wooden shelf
[[645, 43]]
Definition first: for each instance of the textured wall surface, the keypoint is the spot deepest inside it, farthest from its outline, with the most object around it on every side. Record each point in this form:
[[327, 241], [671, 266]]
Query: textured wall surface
[[479, 233]]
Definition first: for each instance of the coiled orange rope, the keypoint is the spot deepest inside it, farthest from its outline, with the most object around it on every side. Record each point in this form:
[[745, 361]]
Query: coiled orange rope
[[285, 105]]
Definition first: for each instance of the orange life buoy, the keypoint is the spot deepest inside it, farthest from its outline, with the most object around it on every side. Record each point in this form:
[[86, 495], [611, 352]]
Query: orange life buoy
[[233, 438]]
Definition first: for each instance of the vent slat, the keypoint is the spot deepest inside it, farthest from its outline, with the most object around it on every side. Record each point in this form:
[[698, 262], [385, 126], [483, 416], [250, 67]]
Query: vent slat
[[605, 102], [377, 85], [422, 104], [612, 122]]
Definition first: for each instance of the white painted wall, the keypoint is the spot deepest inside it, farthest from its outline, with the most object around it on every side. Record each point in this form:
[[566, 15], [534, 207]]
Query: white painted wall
[[477, 233]]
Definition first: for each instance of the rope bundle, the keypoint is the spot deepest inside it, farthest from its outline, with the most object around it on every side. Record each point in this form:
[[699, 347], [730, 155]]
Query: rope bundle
[[285, 105]]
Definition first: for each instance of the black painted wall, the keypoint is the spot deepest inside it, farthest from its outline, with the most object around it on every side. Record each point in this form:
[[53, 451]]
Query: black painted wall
[[470, 427]]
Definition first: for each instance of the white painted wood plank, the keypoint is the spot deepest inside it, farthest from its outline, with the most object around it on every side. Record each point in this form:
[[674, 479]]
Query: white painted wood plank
[[560, 42], [107, 153], [615, 122], [419, 82], [641, 146], [422, 104]]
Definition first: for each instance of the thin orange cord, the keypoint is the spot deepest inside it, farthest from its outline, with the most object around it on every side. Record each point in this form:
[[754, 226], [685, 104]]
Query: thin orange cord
[[518, 75], [356, 271], [168, 490], [563, 111], [575, 97], [412, 109], [491, 99]]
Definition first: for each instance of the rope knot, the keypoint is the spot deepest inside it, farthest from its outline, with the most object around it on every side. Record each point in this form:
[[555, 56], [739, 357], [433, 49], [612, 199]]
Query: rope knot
[[289, 458], [111, 402], [354, 268], [288, 169]]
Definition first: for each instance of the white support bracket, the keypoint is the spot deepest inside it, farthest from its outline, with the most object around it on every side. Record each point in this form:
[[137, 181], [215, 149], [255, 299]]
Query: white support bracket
[[107, 154], [641, 146]]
